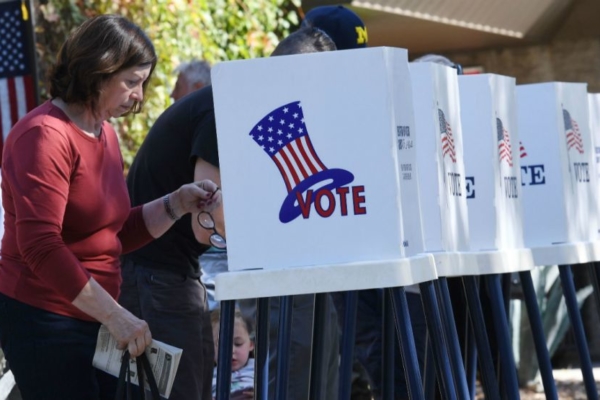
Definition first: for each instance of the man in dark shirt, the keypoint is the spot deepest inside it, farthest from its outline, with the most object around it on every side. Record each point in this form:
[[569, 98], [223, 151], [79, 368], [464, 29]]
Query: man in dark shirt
[[161, 280]]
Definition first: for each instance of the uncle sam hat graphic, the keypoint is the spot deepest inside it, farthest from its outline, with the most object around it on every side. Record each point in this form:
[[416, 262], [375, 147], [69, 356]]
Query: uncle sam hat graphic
[[283, 135]]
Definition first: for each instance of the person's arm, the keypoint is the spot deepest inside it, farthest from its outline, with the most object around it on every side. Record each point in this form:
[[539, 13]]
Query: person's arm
[[129, 331], [205, 170], [190, 198]]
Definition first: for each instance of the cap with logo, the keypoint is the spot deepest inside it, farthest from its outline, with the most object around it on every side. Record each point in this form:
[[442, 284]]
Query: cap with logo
[[344, 27]]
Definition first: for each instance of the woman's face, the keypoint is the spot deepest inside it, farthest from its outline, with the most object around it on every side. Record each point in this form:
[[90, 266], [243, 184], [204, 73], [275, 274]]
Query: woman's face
[[122, 90]]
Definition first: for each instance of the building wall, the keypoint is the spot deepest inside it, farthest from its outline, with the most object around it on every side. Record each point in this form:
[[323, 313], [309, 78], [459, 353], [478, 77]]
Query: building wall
[[576, 60]]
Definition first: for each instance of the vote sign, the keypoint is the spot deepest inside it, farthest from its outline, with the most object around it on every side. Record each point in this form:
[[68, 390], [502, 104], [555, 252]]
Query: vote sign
[[308, 148]]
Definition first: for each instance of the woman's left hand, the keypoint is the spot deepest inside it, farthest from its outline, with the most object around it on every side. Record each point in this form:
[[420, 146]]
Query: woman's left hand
[[194, 197]]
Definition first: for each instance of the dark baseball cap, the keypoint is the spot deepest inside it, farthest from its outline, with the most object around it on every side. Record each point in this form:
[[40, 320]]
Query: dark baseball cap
[[342, 25]]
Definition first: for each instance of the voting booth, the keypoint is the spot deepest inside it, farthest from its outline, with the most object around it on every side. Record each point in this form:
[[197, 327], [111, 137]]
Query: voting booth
[[559, 193], [317, 154], [493, 176], [441, 171], [310, 165]]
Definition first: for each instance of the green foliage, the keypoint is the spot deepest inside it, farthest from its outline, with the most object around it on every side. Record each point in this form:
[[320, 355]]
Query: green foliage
[[213, 30]]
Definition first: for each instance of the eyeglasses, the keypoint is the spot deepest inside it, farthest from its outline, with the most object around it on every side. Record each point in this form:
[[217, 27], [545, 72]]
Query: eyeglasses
[[206, 221]]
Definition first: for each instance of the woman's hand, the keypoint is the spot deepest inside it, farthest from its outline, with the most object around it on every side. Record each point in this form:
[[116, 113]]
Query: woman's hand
[[194, 197], [130, 332]]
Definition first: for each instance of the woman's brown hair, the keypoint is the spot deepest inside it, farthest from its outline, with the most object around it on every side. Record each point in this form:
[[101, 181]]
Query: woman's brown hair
[[97, 50]]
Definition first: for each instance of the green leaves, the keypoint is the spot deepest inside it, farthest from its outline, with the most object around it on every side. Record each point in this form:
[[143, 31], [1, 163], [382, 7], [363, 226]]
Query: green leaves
[[215, 30]]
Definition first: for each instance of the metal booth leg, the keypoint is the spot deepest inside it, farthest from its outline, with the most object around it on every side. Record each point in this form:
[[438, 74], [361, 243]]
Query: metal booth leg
[[261, 376], [507, 360], [566, 279], [283, 346], [429, 381], [486, 363], [389, 348], [439, 346], [225, 349], [347, 346], [399, 304], [539, 339], [470, 359], [449, 325], [594, 271], [318, 346]]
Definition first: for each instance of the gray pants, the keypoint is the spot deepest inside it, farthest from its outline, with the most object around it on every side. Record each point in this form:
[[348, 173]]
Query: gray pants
[[174, 306]]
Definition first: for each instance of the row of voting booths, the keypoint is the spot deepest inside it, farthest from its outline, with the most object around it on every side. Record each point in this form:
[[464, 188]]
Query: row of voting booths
[[356, 169]]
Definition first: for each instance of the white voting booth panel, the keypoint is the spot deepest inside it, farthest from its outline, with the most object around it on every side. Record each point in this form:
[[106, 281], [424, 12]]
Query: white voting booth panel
[[559, 192], [594, 115], [491, 157], [440, 166], [594, 109], [308, 148], [440, 157]]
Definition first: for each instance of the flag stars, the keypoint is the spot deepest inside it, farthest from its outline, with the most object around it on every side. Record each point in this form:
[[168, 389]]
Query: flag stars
[[302, 120], [270, 139], [300, 130], [281, 122], [260, 128], [285, 110], [271, 149], [271, 118], [289, 135], [279, 132], [295, 115], [261, 137], [280, 142], [270, 130], [291, 126]]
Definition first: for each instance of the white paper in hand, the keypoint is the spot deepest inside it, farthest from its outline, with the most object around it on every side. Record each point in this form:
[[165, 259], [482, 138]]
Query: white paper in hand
[[163, 358]]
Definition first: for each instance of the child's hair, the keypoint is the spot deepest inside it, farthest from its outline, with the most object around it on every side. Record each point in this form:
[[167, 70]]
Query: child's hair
[[215, 319]]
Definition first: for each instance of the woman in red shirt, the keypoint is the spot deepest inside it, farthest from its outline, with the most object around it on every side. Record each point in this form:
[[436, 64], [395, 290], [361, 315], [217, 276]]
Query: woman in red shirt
[[68, 216]]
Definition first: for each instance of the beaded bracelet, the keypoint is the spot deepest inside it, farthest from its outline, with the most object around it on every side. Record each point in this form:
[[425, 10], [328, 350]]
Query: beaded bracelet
[[168, 208]]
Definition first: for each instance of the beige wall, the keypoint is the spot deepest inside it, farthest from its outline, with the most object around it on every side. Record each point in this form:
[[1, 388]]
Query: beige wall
[[561, 60]]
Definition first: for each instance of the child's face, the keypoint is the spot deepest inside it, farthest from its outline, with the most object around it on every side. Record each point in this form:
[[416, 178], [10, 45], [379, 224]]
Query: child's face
[[242, 345]]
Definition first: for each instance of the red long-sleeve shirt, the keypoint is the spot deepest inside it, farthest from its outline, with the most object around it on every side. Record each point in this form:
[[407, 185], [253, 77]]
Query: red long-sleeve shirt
[[67, 212]]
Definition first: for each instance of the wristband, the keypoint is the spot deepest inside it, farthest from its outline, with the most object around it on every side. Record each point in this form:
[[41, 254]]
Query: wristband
[[168, 209]]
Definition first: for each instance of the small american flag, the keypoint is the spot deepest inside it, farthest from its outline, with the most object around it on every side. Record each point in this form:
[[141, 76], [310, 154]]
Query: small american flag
[[572, 132], [447, 138], [282, 134], [17, 90], [522, 150], [504, 147]]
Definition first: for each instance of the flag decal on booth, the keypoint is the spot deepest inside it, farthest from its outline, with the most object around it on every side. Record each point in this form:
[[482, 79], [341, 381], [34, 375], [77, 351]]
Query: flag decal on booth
[[283, 135], [504, 147], [522, 151], [446, 137], [572, 133]]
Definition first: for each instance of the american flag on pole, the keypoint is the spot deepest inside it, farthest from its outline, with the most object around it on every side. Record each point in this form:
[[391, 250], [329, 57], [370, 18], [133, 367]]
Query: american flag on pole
[[447, 138], [572, 133], [504, 147], [17, 88], [282, 134]]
